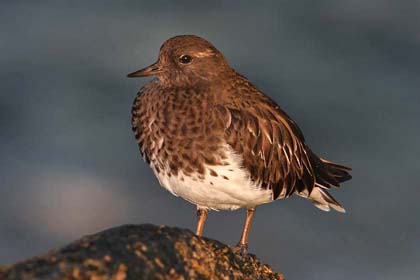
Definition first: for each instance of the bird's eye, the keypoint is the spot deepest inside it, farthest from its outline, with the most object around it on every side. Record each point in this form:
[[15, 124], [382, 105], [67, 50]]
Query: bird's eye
[[185, 59]]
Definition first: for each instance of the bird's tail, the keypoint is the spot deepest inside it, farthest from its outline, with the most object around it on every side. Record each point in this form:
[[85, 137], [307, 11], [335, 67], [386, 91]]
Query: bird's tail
[[324, 201], [327, 175]]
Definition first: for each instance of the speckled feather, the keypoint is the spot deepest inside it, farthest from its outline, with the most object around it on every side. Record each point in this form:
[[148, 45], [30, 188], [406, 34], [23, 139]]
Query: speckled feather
[[190, 122]]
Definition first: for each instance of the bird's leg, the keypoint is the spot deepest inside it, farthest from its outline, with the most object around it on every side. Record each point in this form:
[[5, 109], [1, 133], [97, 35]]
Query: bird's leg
[[201, 220], [242, 246]]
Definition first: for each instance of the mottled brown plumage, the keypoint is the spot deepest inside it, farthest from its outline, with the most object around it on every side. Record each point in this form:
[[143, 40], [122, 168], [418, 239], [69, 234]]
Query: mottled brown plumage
[[203, 121]]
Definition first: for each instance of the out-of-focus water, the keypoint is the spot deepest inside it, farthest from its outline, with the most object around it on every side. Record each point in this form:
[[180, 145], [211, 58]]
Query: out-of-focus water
[[346, 71]]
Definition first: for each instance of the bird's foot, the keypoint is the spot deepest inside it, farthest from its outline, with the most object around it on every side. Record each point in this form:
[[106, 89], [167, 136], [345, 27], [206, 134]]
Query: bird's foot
[[241, 249]]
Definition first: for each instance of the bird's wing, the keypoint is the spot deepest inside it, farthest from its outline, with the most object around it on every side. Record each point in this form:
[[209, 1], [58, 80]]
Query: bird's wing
[[271, 144]]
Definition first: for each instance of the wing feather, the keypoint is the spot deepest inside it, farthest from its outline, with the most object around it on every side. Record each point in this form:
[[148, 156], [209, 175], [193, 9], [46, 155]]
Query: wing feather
[[271, 146]]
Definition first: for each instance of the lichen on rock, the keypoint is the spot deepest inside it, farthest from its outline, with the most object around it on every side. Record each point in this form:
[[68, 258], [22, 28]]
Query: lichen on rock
[[141, 252]]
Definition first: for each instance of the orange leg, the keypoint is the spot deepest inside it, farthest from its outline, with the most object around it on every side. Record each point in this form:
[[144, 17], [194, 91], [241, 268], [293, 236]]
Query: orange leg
[[201, 220], [242, 246]]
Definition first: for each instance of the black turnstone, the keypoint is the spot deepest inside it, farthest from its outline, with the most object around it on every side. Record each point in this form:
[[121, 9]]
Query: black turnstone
[[214, 139]]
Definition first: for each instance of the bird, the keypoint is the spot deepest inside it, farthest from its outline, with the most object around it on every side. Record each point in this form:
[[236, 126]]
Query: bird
[[214, 139]]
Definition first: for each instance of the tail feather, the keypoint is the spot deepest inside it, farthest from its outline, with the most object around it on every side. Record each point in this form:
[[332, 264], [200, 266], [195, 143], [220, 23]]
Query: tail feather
[[323, 200], [339, 172], [327, 175]]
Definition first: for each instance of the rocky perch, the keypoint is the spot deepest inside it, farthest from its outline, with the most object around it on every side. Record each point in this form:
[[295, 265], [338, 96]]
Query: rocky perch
[[141, 252]]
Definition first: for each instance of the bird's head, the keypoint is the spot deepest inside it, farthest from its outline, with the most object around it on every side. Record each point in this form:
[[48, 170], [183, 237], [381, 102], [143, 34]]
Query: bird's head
[[186, 59]]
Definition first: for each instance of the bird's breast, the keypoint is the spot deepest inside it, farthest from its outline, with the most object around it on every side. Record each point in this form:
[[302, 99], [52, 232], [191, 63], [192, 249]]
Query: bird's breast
[[176, 130]]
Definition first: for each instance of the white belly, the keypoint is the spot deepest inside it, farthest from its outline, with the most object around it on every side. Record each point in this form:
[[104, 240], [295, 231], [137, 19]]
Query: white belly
[[229, 190]]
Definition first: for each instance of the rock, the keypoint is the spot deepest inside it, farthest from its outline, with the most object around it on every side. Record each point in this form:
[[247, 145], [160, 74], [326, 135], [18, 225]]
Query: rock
[[141, 252]]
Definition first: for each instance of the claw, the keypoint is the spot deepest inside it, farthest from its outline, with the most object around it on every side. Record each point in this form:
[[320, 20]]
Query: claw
[[241, 249]]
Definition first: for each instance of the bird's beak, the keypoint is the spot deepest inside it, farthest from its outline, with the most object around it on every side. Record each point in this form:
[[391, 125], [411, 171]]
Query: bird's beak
[[148, 71]]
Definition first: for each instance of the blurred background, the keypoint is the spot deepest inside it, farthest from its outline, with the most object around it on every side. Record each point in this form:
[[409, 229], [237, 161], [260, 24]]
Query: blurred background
[[346, 71]]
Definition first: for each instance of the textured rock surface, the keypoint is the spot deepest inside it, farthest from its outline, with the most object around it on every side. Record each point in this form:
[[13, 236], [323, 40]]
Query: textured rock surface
[[141, 252]]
